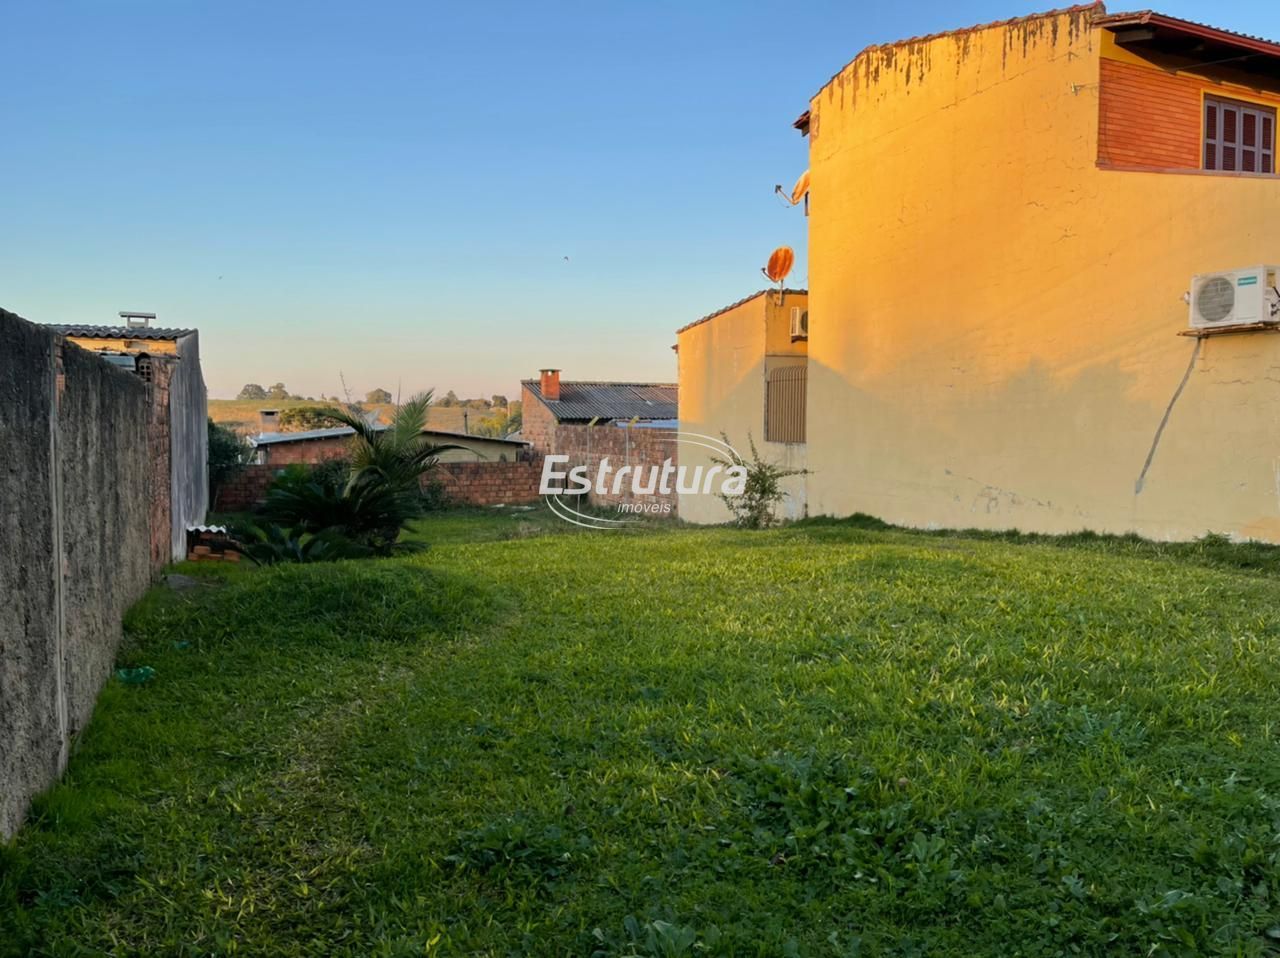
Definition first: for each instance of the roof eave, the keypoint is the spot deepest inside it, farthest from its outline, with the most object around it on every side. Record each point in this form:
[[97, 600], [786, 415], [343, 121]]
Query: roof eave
[[1142, 18]]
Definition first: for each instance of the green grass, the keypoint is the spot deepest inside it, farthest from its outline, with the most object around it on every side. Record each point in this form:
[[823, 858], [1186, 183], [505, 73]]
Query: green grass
[[823, 740]]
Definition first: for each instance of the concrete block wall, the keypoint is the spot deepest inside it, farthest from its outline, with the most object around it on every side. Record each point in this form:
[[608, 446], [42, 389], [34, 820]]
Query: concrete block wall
[[75, 545]]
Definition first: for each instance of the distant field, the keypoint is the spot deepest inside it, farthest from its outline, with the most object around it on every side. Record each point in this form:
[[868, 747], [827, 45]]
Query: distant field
[[242, 414]]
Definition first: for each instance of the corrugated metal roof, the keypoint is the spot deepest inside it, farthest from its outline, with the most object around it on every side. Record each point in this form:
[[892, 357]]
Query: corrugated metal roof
[[120, 332], [745, 299], [583, 401], [272, 438]]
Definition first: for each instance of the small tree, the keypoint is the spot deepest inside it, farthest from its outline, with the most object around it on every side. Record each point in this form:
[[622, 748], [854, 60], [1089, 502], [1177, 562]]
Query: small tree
[[228, 453], [498, 401], [277, 391], [753, 507], [252, 391], [389, 466], [450, 399], [377, 396], [500, 425], [298, 418]]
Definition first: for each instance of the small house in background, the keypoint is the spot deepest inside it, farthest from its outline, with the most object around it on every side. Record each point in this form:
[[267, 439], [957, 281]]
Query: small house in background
[[321, 445], [628, 424], [168, 361], [744, 374], [550, 405]]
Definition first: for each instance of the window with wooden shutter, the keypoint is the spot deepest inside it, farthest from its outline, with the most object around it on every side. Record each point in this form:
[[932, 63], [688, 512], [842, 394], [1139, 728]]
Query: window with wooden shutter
[[1239, 137], [784, 401]]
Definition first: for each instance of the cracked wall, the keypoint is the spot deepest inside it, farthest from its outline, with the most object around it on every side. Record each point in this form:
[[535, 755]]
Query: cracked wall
[[993, 317], [74, 545]]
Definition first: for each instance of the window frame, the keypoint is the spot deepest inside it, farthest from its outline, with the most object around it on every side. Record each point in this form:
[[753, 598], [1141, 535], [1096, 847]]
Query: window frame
[[1214, 144]]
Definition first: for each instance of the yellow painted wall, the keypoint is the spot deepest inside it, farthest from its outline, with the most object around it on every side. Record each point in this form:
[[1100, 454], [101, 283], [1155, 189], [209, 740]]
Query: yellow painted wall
[[722, 390], [476, 448], [993, 319]]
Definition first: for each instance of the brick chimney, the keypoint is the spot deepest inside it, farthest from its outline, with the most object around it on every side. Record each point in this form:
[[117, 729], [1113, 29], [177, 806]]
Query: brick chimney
[[551, 385], [268, 420]]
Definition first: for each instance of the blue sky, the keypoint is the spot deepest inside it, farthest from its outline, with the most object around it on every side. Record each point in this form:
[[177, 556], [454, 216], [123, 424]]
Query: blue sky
[[390, 189]]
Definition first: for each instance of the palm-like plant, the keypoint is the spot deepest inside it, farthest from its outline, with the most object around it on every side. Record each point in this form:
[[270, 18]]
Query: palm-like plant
[[396, 456], [388, 464]]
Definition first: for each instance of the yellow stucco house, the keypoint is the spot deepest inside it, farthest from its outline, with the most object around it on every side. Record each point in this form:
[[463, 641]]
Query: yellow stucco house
[[743, 374], [1005, 224]]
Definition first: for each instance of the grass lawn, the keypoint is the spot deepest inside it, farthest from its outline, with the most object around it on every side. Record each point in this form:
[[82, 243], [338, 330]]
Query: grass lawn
[[825, 740]]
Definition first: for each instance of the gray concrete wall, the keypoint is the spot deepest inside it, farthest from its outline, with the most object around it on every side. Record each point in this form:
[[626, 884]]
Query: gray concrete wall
[[189, 444], [74, 545]]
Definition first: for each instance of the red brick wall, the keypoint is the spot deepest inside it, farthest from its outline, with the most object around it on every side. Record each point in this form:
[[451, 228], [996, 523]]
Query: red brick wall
[[537, 425], [639, 448], [160, 501], [1152, 119], [490, 483], [245, 490], [466, 483], [306, 450]]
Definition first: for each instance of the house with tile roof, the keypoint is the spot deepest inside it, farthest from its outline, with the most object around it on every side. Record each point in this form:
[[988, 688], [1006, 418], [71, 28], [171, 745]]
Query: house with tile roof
[[168, 361], [1042, 279]]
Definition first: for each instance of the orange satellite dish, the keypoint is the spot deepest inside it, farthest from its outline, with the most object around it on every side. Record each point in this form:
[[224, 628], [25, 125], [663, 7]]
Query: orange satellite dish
[[780, 262], [801, 188]]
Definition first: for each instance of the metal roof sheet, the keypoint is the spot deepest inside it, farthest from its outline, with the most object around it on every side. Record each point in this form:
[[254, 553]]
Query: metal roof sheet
[[745, 299], [337, 432], [583, 401], [119, 332]]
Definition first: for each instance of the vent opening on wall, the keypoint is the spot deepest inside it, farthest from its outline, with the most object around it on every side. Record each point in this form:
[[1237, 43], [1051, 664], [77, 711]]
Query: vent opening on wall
[[143, 368]]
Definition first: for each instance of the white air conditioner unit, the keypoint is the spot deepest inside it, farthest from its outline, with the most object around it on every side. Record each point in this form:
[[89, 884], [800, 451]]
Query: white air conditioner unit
[[1238, 297], [799, 323]]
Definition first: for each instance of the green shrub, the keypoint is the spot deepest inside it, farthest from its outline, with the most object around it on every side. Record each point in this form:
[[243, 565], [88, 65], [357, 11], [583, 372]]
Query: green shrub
[[755, 506], [228, 453], [321, 500], [272, 544]]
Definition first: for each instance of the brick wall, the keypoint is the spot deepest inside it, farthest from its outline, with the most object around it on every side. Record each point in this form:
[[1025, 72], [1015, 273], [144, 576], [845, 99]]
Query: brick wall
[[160, 450], [466, 483], [306, 450], [490, 483], [537, 425], [244, 490], [1150, 118], [643, 449]]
